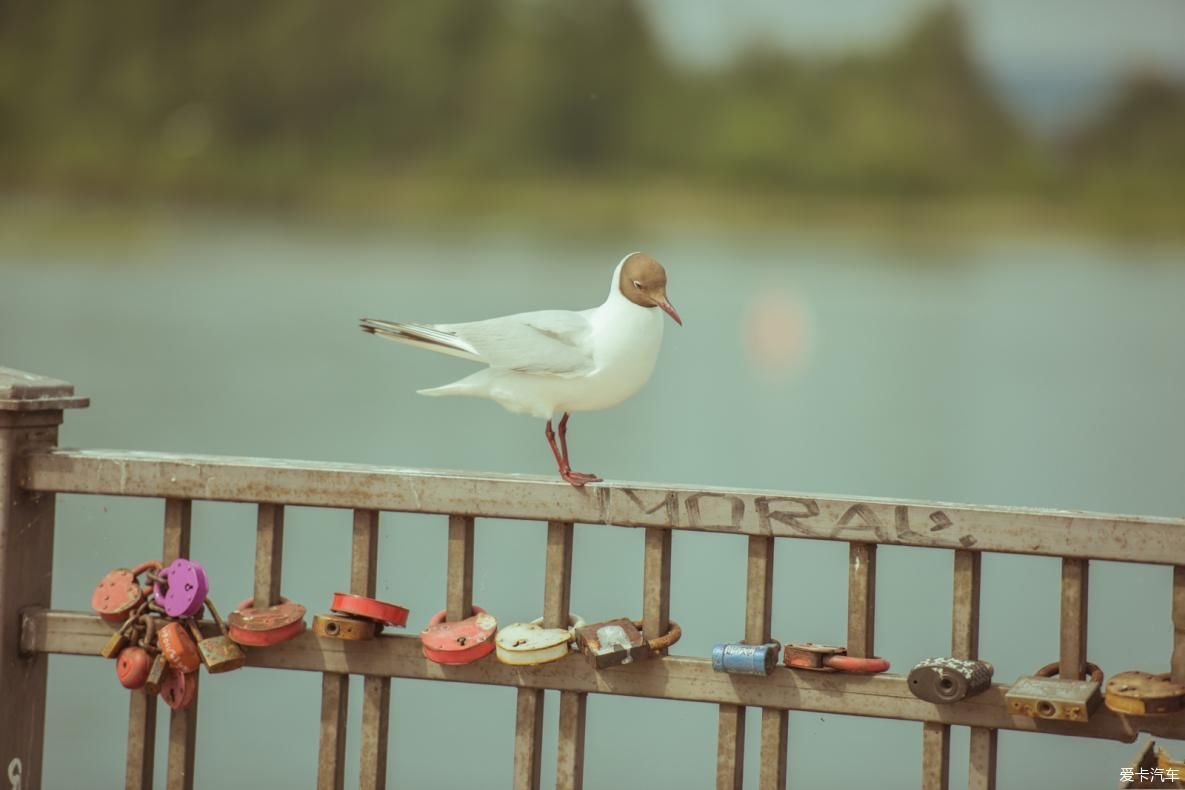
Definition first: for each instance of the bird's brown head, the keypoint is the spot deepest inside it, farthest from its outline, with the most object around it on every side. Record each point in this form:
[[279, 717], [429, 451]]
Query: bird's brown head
[[644, 282]]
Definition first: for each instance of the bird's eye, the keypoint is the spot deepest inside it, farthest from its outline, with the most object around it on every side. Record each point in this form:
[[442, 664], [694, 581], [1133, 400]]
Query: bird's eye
[[637, 284]]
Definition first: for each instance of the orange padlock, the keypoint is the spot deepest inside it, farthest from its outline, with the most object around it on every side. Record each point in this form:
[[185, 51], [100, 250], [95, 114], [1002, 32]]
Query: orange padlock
[[178, 648], [460, 641], [119, 592], [178, 689], [369, 608]]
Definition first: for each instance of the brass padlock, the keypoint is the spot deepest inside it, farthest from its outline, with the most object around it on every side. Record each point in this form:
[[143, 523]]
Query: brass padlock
[[340, 626], [218, 653], [120, 639], [156, 675], [946, 680], [1143, 694], [611, 643], [1044, 696]]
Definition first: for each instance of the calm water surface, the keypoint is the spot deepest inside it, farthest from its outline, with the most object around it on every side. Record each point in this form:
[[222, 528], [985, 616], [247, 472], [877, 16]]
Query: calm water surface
[[1011, 372]]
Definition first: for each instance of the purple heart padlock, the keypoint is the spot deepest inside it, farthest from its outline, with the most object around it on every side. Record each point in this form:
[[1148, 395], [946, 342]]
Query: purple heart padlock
[[182, 589]]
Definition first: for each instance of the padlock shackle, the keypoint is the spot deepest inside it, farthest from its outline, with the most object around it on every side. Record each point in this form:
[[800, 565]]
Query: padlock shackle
[[143, 566], [1093, 673], [439, 617], [664, 641], [863, 666]]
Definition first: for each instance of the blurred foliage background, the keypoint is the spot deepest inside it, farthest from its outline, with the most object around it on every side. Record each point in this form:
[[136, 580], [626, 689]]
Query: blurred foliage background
[[380, 106]]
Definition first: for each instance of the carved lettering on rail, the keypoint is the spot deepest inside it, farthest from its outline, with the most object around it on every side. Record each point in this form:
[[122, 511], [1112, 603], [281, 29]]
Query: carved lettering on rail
[[716, 504]]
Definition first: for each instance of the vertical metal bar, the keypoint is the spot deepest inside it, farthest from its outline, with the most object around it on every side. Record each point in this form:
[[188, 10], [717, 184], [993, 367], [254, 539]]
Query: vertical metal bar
[[861, 599], [570, 750], [459, 595], [982, 756], [1075, 593], [269, 554], [528, 739], [964, 637], [26, 571], [935, 756], [1178, 659], [376, 691], [964, 643], [775, 723], [141, 741], [331, 757], [557, 582], [182, 723], [730, 748], [656, 583]]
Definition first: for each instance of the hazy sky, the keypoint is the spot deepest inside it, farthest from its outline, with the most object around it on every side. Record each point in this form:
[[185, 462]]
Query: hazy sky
[[1052, 59]]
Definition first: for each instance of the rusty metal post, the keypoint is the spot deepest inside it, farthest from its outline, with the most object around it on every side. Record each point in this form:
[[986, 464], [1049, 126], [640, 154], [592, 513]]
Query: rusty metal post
[[1178, 658], [30, 412]]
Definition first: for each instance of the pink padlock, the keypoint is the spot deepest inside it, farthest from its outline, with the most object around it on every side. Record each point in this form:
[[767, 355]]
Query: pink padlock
[[182, 588], [178, 689], [460, 641]]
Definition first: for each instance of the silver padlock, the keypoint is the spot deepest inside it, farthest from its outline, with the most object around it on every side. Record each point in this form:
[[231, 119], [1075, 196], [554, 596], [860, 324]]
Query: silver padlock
[[946, 680], [738, 658]]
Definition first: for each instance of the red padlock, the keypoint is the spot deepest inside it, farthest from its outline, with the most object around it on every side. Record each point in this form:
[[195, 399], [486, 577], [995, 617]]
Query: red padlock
[[132, 667], [460, 641], [369, 608], [118, 593], [266, 626], [178, 689]]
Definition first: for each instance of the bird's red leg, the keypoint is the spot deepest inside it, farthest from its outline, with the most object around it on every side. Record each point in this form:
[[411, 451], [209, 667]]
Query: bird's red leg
[[584, 477]]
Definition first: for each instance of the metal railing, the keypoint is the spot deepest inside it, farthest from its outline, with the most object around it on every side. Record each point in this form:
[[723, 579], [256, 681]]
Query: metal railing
[[32, 471]]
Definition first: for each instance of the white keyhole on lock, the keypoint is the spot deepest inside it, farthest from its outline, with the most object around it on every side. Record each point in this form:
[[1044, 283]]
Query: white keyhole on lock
[[14, 773]]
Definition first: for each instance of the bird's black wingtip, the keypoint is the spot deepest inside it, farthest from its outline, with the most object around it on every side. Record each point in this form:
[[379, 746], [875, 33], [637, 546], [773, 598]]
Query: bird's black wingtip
[[366, 327]]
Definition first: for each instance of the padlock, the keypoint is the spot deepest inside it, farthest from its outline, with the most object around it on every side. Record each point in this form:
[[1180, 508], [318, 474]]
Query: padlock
[[1143, 694], [369, 609], [118, 593], [156, 674], [120, 639], [527, 644], [178, 648], [267, 625], [178, 689], [738, 658], [946, 680], [133, 666], [336, 626], [826, 658], [181, 588], [460, 641], [611, 643], [218, 653], [1044, 696]]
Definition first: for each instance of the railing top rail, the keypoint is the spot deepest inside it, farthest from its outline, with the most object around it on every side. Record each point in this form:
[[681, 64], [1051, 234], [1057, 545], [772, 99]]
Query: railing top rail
[[776, 513]]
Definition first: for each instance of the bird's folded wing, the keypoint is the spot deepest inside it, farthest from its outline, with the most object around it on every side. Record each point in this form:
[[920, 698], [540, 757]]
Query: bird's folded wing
[[549, 342]]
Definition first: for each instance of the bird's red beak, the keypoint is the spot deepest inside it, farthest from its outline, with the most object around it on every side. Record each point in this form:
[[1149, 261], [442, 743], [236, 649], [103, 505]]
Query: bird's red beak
[[670, 310]]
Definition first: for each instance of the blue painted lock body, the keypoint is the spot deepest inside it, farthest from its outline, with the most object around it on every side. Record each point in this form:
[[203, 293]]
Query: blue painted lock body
[[741, 659]]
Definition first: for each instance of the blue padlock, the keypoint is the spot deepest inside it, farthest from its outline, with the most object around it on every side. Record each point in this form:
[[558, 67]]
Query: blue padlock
[[737, 658]]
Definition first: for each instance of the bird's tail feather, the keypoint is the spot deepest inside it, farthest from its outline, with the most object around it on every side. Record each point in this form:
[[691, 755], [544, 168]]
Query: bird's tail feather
[[421, 335]]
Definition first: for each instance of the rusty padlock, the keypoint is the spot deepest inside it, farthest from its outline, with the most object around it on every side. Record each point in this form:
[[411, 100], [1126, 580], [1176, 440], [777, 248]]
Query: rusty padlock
[[460, 641], [267, 625], [336, 626], [181, 587], [120, 639], [218, 653], [738, 658], [369, 609], [178, 689], [528, 644], [946, 680], [177, 647], [611, 643], [156, 674], [133, 666], [1143, 694], [827, 658], [1045, 696], [119, 593]]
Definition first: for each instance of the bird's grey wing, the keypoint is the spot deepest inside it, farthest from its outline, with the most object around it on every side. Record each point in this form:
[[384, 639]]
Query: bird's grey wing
[[550, 342]]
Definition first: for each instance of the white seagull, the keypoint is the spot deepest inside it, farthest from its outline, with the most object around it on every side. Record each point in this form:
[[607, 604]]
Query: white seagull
[[557, 361]]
